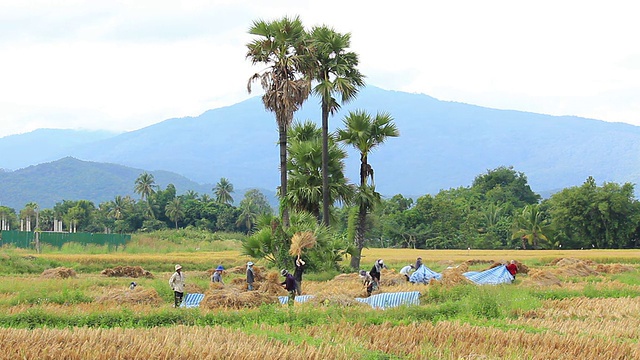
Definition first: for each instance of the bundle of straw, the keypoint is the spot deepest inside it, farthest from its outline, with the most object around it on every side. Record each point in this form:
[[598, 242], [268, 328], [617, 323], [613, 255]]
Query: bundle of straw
[[302, 240]]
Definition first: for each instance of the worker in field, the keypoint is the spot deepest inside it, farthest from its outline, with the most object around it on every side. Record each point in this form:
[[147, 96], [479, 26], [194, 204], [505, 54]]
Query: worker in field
[[367, 281], [217, 275], [289, 284], [406, 270], [250, 276], [512, 267], [177, 285], [418, 263], [375, 273], [297, 274]]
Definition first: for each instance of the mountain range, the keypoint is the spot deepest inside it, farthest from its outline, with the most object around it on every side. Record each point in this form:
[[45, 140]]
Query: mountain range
[[441, 145]]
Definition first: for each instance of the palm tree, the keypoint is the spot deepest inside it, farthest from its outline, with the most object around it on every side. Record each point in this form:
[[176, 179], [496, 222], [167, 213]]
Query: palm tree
[[174, 210], [531, 227], [305, 166], [336, 75], [282, 45], [365, 134], [145, 186], [223, 191]]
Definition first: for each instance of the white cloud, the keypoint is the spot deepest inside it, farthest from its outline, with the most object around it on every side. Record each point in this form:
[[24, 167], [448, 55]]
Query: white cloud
[[122, 66]]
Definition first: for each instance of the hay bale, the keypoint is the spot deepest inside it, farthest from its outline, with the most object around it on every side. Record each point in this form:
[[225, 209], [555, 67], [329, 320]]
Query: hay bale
[[300, 241], [139, 295], [542, 278], [59, 273], [127, 271], [234, 298], [613, 268]]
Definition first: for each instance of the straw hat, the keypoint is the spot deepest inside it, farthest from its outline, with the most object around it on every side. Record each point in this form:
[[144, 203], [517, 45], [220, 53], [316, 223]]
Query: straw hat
[[178, 267]]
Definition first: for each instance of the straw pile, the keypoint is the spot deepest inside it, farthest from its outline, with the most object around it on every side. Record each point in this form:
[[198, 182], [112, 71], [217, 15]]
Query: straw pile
[[193, 289], [271, 285], [576, 269], [391, 278], [334, 300], [542, 278], [234, 298], [346, 277], [302, 240], [127, 271], [613, 268], [59, 273], [453, 276], [138, 295], [570, 261]]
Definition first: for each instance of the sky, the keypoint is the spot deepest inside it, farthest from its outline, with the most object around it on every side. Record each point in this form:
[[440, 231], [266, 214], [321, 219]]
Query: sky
[[123, 65]]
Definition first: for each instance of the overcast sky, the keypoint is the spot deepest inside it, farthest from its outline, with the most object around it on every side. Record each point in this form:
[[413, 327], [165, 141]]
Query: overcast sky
[[124, 65]]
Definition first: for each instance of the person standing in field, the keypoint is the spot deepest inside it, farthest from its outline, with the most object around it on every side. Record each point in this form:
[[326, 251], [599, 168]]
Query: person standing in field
[[297, 274], [217, 275], [250, 276], [177, 285], [289, 284], [513, 269], [418, 263], [375, 273]]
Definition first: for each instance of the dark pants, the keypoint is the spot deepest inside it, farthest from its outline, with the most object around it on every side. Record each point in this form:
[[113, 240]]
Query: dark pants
[[177, 298], [299, 287], [292, 297]]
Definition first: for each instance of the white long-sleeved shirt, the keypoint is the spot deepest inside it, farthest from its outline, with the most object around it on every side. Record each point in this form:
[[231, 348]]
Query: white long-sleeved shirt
[[177, 281]]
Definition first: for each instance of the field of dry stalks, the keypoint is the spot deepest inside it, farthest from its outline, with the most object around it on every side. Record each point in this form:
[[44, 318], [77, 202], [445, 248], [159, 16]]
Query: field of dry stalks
[[569, 305]]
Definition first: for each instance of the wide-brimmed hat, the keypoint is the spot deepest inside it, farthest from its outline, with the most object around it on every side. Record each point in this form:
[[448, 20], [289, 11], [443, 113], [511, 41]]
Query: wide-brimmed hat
[[178, 267], [219, 268], [284, 272], [249, 263]]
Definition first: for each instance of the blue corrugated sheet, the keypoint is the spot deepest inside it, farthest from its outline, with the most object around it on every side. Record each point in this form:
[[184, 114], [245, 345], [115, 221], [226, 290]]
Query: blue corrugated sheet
[[192, 300], [389, 300]]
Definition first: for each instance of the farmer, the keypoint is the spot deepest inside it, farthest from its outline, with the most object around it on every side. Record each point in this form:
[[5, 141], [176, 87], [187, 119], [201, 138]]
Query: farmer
[[367, 281], [297, 274], [250, 276], [289, 284], [513, 269], [217, 275], [375, 273], [418, 263], [405, 270], [177, 284]]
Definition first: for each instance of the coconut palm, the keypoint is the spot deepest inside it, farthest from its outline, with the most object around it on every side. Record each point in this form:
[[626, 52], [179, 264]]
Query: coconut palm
[[223, 191], [146, 186], [337, 76], [305, 165], [282, 45], [174, 210], [531, 227], [365, 133]]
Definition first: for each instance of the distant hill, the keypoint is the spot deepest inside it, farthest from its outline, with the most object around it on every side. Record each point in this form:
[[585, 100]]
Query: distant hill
[[73, 179], [442, 145]]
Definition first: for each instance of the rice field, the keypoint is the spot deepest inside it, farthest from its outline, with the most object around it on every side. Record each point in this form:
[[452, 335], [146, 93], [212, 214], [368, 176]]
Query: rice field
[[570, 305]]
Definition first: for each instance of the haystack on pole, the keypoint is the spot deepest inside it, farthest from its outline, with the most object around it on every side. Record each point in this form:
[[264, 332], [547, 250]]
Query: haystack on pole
[[300, 241]]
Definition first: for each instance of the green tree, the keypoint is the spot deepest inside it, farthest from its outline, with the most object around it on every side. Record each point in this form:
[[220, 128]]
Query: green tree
[[223, 191], [532, 227], [365, 133], [145, 186], [504, 185], [281, 45], [305, 170], [336, 75], [175, 211]]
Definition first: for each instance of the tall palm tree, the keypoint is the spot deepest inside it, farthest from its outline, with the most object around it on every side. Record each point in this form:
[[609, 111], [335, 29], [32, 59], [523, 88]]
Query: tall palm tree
[[282, 45], [336, 75], [305, 167], [223, 191], [365, 133], [531, 227], [174, 210], [146, 186]]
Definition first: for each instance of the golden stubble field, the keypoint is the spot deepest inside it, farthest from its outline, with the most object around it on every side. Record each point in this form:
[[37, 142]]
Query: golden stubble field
[[565, 328]]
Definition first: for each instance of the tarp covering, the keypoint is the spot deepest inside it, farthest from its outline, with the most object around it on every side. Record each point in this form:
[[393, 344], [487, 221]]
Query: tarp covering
[[497, 275], [299, 299], [389, 300], [423, 275], [192, 300]]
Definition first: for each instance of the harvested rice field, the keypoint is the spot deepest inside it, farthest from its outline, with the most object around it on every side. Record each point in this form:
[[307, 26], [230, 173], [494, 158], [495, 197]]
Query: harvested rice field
[[563, 305]]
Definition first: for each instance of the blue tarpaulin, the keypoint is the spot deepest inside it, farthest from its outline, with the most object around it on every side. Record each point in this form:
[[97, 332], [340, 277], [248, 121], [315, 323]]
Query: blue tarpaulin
[[497, 275], [423, 275]]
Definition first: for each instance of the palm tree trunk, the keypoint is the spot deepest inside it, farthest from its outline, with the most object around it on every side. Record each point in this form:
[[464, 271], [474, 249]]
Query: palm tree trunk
[[359, 238], [325, 162], [282, 130]]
